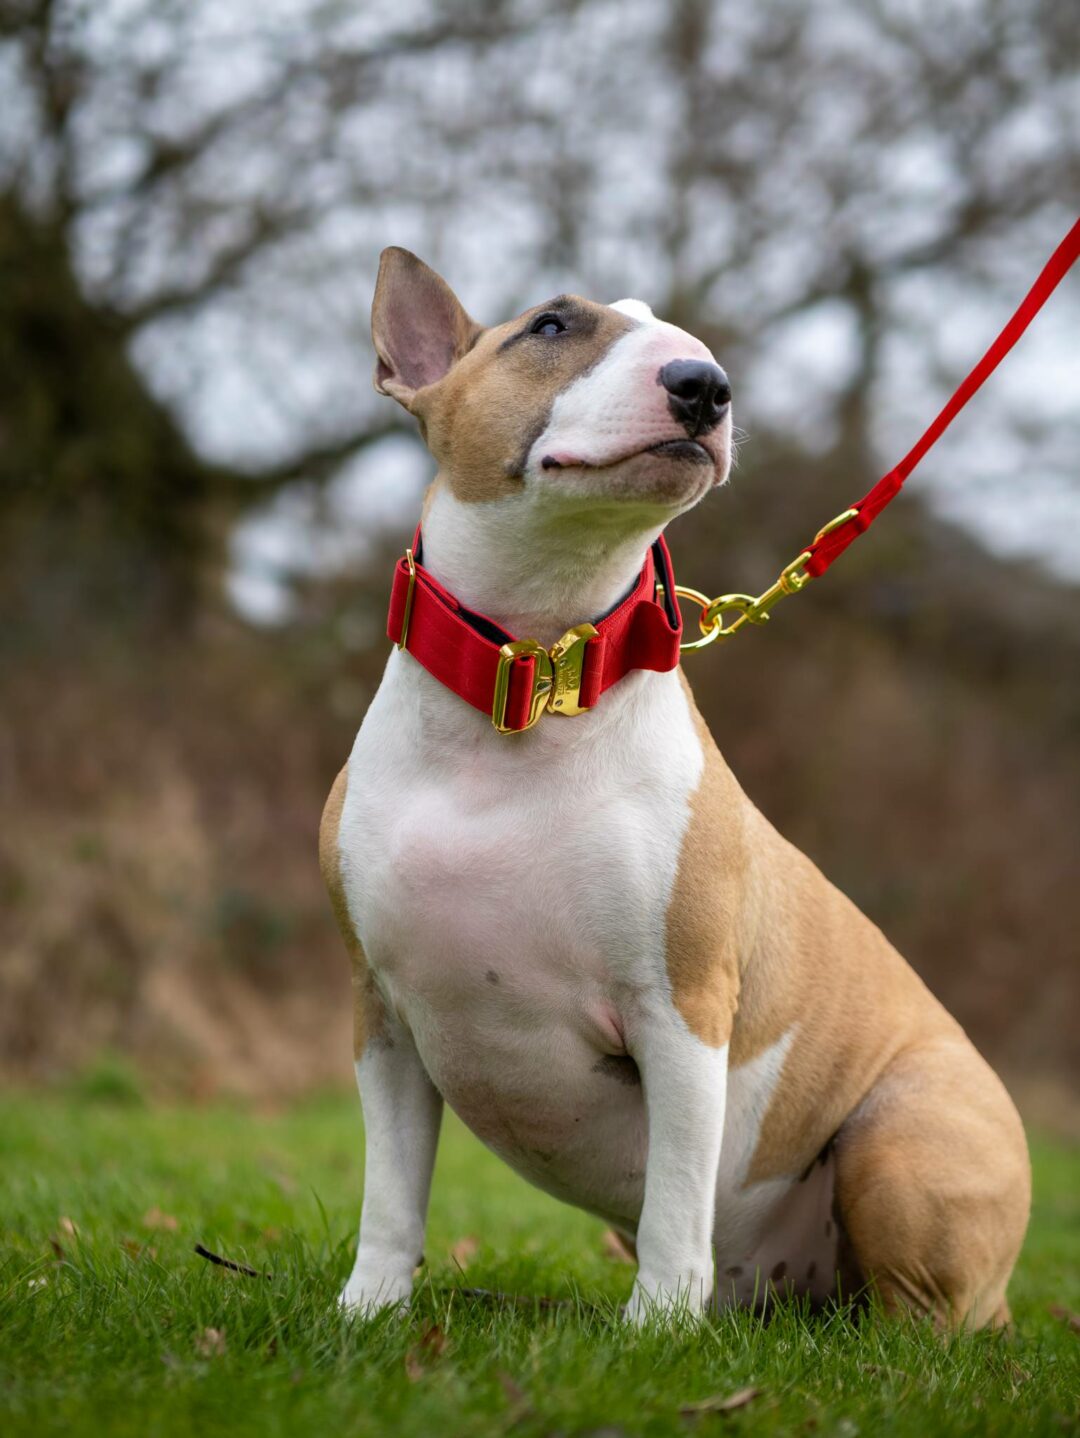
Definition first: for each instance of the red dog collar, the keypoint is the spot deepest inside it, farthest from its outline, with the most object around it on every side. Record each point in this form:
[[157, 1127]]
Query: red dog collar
[[515, 680]]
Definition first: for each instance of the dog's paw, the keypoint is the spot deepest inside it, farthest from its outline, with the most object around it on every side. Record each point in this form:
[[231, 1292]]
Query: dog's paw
[[682, 1299], [364, 1296]]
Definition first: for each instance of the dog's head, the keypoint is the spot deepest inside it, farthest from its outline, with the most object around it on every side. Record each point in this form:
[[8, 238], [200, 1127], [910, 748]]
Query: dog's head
[[575, 404]]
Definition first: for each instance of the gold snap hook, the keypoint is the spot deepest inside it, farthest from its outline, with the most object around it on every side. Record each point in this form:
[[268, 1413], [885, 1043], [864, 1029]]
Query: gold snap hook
[[745, 606]]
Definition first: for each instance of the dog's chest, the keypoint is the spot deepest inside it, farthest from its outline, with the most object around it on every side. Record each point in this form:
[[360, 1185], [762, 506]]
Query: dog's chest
[[512, 906], [549, 870]]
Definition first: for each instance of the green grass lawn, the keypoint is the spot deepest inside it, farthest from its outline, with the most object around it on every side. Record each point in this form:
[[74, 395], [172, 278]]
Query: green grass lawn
[[110, 1323]]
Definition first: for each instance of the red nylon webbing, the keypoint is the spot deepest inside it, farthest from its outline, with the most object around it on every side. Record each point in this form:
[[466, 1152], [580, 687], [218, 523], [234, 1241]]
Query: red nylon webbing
[[830, 546]]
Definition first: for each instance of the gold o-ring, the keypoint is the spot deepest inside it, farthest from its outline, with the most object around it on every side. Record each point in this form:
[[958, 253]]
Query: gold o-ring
[[710, 633]]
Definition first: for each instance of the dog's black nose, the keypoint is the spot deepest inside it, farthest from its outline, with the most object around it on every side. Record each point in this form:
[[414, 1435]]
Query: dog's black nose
[[698, 393]]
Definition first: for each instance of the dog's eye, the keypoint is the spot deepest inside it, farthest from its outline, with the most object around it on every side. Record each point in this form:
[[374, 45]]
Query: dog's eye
[[547, 325]]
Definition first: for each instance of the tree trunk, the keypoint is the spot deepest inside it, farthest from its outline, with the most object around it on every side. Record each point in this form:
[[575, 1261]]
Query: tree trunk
[[101, 499]]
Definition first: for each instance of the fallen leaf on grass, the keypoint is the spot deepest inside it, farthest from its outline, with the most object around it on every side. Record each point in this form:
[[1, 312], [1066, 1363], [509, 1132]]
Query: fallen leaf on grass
[[616, 1248], [134, 1249], [154, 1218], [1066, 1316], [68, 1229], [515, 1396], [464, 1250], [720, 1402], [430, 1346], [277, 1173], [211, 1343]]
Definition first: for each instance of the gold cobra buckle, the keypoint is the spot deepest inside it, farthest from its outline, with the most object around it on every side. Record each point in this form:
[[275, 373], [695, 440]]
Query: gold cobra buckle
[[556, 684]]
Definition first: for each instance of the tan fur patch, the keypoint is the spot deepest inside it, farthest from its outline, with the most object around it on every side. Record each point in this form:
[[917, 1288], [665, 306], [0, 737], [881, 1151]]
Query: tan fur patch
[[481, 420], [828, 976], [368, 1014], [934, 1184], [818, 969], [704, 914]]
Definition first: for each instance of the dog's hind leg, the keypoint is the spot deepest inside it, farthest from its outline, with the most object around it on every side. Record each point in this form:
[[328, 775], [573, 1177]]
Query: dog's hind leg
[[933, 1185]]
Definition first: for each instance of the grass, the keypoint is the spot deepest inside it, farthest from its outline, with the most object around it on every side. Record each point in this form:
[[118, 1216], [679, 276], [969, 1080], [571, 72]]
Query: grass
[[109, 1322]]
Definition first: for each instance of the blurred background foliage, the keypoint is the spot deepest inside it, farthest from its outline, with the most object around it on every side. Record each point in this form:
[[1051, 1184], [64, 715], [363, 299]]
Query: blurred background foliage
[[200, 495]]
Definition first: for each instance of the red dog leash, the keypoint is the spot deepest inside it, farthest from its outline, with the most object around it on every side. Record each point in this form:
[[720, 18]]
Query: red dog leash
[[516, 680], [831, 541]]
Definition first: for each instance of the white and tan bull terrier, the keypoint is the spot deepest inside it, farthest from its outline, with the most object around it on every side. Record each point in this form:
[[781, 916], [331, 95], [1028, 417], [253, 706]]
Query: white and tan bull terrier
[[584, 937]]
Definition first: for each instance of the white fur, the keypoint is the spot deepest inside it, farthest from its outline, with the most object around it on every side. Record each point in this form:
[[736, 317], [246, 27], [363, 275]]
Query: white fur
[[637, 310], [686, 1097], [545, 566], [402, 1111], [614, 410]]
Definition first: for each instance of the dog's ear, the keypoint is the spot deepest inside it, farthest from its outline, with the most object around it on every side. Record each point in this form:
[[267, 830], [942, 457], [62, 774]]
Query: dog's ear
[[418, 324]]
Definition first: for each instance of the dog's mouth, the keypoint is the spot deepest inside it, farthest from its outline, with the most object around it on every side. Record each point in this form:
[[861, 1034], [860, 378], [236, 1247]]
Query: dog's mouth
[[688, 451]]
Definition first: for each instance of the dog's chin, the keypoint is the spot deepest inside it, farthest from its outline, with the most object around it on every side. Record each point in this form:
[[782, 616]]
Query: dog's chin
[[676, 474], [673, 474]]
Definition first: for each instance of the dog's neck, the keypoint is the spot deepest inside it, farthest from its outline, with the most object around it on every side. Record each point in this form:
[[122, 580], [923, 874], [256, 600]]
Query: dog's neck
[[536, 569]]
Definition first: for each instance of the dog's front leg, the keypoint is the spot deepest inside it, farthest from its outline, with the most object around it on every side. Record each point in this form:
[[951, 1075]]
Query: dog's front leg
[[402, 1112], [685, 1084]]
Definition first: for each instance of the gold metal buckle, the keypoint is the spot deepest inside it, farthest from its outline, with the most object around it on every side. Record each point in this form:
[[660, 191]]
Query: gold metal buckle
[[556, 682], [411, 562], [568, 657], [543, 679]]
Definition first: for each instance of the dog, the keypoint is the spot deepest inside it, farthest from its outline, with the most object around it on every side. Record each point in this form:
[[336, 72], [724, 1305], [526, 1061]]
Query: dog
[[582, 935]]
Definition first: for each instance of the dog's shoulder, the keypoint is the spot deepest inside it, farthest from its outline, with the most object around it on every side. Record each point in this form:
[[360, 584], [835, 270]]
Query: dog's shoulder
[[329, 826], [330, 861], [706, 908], [369, 1018]]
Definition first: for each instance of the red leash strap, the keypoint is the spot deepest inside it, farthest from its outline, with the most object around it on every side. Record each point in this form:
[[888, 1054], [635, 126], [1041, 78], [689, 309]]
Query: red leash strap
[[831, 544]]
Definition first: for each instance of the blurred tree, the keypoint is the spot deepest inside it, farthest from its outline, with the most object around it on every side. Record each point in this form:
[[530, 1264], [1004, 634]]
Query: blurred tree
[[101, 491], [800, 184]]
